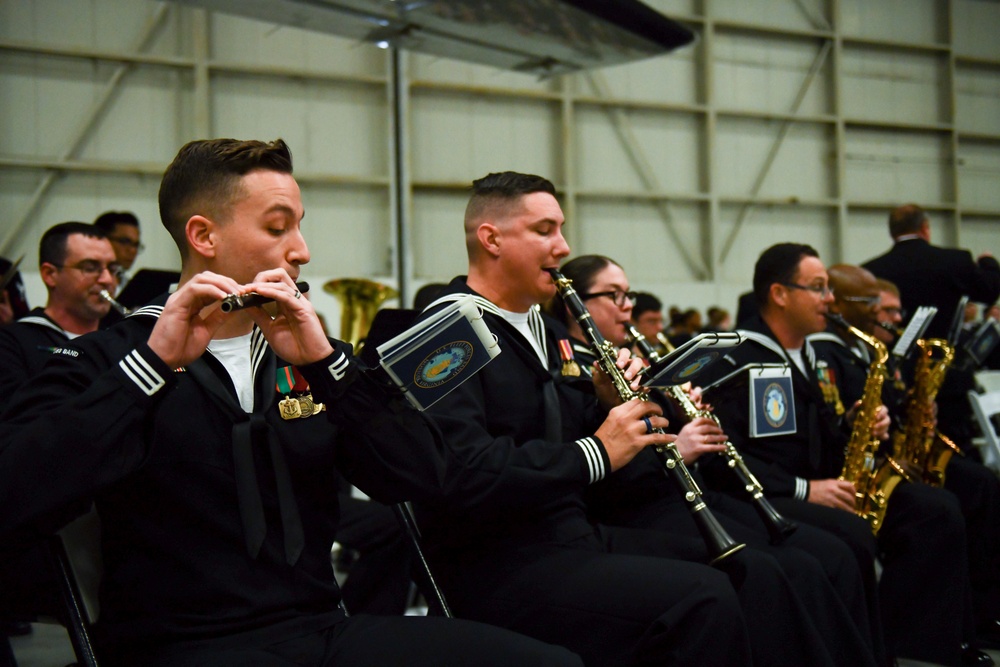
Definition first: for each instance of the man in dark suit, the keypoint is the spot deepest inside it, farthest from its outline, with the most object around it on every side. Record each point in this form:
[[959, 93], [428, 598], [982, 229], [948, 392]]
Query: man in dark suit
[[930, 275]]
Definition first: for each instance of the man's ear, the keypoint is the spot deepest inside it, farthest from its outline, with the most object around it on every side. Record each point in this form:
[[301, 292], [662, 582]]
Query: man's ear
[[925, 230], [779, 294], [200, 234], [48, 273], [489, 238]]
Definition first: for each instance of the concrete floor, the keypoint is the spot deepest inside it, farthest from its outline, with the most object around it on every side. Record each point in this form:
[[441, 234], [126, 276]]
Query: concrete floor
[[48, 646]]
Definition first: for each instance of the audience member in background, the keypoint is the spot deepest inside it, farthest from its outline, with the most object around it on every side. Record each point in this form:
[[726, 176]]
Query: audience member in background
[[683, 325], [647, 316], [718, 320]]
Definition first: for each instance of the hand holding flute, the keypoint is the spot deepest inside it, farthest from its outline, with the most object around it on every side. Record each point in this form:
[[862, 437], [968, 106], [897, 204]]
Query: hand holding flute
[[193, 316]]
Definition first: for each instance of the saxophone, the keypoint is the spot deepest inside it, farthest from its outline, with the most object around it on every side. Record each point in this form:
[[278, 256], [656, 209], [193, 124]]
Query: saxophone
[[872, 484], [778, 527], [918, 443]]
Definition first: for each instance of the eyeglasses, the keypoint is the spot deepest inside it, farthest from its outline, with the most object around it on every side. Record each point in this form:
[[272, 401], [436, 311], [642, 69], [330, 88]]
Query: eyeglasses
[[127, 242], [823, 290], [892, 310], [869, 300], [93, 269], [617, 296]]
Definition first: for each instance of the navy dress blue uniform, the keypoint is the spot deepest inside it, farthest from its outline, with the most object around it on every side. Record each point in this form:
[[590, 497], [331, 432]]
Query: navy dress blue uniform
[[922, 539], [25, 346], [521, 552], [217, 525], [821, 567], [976, 488]]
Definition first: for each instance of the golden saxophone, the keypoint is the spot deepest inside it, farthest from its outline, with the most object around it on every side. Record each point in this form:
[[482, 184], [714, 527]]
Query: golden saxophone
[[872, 484], [778, 527], [918, 443], [719, 543]]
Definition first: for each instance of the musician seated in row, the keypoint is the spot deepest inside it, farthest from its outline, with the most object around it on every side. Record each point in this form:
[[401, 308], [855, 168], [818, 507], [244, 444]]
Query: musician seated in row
[[209, 441], [794, 443], [926, 455], [521, 552]]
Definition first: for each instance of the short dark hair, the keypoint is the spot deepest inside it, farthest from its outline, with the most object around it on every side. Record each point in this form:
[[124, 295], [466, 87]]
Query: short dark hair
[[778, 264], [52, 248], [581, 270], [503, 189], [644, 303], [906, 219], [108, 220], [204, 178]]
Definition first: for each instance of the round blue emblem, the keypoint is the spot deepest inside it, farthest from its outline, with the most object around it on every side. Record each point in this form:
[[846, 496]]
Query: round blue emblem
[[775, 405], [442, 364]]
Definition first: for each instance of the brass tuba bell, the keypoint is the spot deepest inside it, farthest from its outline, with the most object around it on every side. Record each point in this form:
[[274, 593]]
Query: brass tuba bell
[[359, 300]]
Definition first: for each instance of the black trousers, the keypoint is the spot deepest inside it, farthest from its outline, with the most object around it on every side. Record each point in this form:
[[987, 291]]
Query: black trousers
[[366, 641], [978, 492], [924, 589], [611, 608], [829, 594], [378, 582]]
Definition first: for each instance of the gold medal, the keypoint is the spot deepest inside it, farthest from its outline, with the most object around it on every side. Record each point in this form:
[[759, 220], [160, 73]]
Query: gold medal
[[571, 369], [289, 408], [306, 405]]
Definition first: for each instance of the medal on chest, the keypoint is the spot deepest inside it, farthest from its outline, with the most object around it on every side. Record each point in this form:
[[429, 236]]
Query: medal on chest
[[569, 366], [298, 401]]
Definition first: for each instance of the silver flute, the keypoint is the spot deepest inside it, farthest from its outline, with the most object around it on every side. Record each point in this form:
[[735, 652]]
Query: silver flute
[[251, 299], [106, 295]]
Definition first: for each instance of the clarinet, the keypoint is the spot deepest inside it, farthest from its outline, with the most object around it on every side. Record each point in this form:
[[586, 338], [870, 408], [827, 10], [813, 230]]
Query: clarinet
[[778, 527], [719, 543]]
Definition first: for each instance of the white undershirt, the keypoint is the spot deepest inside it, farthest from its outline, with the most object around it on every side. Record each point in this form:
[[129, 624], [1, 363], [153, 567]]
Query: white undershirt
[[520, 322], [234, 355], [796, 356]]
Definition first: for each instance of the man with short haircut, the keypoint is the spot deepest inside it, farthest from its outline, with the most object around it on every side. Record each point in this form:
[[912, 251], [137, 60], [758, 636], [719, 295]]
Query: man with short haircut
[[76, 263], [209, 441], [521, 552], [795, 446]]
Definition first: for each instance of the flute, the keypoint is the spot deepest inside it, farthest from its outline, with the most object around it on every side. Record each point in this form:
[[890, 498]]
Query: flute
[[252, 299]]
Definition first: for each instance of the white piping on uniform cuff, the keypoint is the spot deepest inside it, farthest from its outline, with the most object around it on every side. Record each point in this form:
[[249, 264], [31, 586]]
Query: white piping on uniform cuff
[[592, 454], [141, 373], [801, 489]]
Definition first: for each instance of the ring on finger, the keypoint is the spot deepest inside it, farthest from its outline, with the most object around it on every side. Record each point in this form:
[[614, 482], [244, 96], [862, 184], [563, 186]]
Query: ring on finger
[[649, 425]]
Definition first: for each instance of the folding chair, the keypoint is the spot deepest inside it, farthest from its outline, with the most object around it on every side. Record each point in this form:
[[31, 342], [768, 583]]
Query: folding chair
[[74, 556], [986, 407], [423, 577]]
